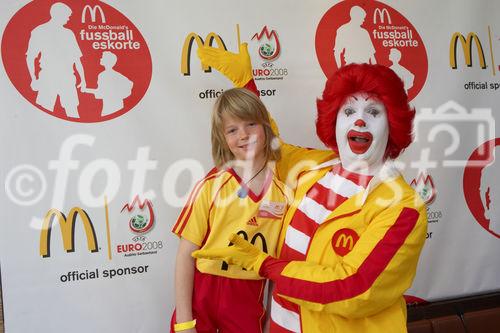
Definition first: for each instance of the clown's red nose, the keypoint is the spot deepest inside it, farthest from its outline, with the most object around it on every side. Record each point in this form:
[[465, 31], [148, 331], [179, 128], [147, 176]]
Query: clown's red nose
[[360, 123]]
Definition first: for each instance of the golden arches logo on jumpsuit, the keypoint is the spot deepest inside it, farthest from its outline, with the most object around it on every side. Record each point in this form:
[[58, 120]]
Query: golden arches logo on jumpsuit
[[344, 240]]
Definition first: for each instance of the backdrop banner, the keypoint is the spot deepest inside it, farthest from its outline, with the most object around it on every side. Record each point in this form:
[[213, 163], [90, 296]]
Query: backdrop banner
[[106, 128]]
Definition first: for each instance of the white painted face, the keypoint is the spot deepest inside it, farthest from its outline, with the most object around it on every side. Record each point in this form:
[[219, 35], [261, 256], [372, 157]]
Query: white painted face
[[362, 132]]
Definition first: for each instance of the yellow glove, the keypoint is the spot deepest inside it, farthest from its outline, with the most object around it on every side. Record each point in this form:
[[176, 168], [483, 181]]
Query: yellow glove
[[241, 253], [237, 67]]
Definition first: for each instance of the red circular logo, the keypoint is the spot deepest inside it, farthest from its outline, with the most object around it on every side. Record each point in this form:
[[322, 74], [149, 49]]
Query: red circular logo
[[343, 241], [81, 61], [355, 31], [481, 188]]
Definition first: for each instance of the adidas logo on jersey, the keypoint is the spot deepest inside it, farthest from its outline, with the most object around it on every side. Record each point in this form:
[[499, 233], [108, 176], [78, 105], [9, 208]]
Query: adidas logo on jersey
[[253, 221]]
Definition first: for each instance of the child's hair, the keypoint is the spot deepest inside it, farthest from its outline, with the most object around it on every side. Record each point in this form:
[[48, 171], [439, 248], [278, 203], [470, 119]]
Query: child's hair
[[243, 104]]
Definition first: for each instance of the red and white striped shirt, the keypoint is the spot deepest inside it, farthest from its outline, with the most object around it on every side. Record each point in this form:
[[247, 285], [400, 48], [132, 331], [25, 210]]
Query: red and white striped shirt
[[323, 197]]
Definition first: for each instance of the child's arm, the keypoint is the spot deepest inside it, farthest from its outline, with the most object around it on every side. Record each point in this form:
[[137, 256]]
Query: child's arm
[[192, 227], [184, 277]]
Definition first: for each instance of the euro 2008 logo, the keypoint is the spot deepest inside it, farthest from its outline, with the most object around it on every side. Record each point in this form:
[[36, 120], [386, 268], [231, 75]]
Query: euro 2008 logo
[[80, 61], [143, 222], [355, 31]]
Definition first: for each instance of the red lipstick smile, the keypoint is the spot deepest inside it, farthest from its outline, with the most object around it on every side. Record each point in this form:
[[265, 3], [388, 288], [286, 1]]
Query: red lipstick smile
[[359, 142]]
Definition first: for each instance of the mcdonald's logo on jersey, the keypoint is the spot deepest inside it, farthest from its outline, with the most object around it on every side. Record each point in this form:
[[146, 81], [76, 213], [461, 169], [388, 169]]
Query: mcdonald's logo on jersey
[[67, 226], [343, 241], [93, 13], [466, 44], [211, 39], [381, 14]]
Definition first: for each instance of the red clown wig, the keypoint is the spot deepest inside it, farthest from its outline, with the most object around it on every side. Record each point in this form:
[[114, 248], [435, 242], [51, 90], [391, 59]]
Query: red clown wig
[[377, 81]]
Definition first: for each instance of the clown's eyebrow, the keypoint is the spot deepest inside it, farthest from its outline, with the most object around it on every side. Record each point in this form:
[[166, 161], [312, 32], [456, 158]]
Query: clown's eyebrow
[[354, 97]]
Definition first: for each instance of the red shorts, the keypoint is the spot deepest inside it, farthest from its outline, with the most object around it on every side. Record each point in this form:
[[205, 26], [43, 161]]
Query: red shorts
[[226, 305]]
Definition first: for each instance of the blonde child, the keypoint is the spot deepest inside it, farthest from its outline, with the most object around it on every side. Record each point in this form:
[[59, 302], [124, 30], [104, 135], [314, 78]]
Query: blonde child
[[240, 195]]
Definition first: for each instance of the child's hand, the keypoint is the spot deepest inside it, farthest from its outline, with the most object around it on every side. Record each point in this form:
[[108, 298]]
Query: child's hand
[[241, 253], [235, 66]]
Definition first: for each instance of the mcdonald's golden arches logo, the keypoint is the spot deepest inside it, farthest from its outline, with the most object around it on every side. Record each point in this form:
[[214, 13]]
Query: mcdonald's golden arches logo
[[381, 14], [466, 44], [343, 241], [67, 227], [93, 13], [211, 38]]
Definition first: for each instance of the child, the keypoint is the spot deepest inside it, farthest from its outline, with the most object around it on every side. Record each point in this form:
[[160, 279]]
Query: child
[[112, 86], [241, 195]]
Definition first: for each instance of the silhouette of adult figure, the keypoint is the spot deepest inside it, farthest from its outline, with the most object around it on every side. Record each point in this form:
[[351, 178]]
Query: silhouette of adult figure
[[58, 51], [112, 86], [490, 195], [403, 72], [353, 41]]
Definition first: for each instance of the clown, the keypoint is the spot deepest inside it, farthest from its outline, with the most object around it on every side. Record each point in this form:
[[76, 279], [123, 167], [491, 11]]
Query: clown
[[354, 232]]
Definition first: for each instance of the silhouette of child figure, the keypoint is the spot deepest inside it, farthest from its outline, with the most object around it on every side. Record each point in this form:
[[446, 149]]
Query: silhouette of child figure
[[112, 86], [403, 72], [490, 195]]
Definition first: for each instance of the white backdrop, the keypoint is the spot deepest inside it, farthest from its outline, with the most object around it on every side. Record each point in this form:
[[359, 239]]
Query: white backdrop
[[157, 144]]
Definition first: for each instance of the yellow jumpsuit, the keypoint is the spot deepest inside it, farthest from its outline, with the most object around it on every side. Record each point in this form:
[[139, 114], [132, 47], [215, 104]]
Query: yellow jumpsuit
[[380, 231]]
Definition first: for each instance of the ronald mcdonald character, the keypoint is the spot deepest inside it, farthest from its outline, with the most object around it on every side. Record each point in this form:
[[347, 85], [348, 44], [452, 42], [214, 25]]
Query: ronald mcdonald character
[[354, 232]]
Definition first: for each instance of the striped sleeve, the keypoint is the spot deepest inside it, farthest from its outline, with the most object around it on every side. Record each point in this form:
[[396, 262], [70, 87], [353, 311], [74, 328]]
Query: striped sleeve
[[193, 221], [373, 276]]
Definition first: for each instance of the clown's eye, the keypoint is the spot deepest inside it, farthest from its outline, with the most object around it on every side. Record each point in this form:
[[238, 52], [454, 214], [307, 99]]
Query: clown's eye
[[349, 111], [374, 112]]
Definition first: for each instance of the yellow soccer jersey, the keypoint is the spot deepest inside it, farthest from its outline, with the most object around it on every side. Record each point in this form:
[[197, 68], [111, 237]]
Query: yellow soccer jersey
[[215, 210]]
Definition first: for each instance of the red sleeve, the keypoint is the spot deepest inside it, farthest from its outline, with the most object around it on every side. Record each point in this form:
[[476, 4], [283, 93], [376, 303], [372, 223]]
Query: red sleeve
[[310, 282], [271, 268]]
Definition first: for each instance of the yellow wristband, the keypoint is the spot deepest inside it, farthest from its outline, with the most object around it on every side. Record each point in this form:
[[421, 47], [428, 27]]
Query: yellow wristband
[[185, 325]]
